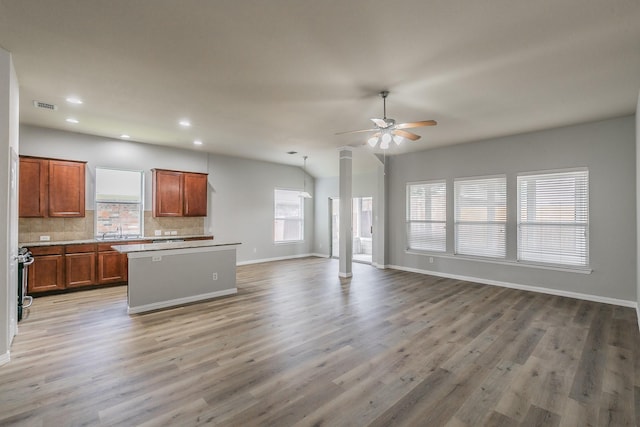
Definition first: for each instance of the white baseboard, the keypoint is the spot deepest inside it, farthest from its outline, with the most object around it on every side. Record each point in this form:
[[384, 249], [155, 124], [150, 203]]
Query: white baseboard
[[5, 358], [180, 301], [319, 255], [539, 289], [280, 258]]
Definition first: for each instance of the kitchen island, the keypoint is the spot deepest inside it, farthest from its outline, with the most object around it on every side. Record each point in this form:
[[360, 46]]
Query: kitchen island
[[165, 275]]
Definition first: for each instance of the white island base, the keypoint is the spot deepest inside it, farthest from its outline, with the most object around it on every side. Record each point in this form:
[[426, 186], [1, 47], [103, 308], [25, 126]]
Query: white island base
[[165, 275]]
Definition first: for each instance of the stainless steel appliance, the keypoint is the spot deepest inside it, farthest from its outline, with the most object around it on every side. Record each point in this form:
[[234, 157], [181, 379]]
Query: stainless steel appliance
[[25, 259]]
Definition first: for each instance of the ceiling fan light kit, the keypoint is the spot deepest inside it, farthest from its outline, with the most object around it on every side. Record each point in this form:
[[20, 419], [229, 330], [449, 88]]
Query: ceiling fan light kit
[[387, 130]]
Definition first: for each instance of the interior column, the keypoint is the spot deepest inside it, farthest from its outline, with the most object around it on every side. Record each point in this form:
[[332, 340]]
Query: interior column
[[346, 233]]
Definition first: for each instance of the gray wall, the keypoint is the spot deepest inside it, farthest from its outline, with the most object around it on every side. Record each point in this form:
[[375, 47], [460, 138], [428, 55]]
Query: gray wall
[[363, 185], [241, 191], [607, 148], [111, 153], [242, 206]]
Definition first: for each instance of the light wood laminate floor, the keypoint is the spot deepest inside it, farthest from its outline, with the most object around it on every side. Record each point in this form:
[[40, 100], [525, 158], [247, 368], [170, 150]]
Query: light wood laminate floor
[[298, 346]]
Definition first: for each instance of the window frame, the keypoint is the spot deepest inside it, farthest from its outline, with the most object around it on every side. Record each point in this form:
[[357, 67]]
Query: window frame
[[140, 204], [503, 223], [560, 223], [300, 218], [409, 221]]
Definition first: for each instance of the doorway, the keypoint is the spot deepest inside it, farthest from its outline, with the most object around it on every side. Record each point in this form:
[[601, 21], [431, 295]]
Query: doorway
[[362, 223]]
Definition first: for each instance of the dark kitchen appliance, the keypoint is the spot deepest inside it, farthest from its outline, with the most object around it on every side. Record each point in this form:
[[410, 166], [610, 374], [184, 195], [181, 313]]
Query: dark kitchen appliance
[[25, 259]]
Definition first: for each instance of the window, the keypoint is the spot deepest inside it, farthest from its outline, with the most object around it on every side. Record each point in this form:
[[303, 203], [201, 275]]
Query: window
[[481, 216], [289, 216], [553, 218], [427, 216], [118, 203]]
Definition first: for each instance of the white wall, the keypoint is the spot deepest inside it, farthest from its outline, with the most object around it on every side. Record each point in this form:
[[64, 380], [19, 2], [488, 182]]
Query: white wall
[[241, 191], [8, 236], [607, 148], [638, 209]]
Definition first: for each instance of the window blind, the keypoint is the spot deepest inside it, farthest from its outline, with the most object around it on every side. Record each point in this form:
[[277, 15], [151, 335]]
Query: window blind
[[553, 218], [288, 216], [481, 216], [427, 216]]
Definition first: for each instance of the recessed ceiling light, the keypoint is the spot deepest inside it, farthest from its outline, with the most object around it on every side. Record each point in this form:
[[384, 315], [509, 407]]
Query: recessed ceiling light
[[125, 136], [74, 100], [71, 120], [185, 123], [197, 142]]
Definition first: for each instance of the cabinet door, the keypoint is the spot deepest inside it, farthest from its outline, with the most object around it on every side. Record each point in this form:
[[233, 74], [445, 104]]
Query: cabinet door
[[33, 188], [66, 188], [195, 194], [111, 267], [81, 269], [46, 274], [167, 193]]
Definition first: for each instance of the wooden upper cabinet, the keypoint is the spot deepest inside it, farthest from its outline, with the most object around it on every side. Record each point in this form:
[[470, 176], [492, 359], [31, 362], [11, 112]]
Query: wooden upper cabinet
[[195, 194], [51, 188], [33, 188], [66, 188], [179, 194], [167, 193]]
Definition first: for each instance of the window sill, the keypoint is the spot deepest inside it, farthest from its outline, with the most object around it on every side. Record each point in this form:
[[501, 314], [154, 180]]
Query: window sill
[[579, 270]]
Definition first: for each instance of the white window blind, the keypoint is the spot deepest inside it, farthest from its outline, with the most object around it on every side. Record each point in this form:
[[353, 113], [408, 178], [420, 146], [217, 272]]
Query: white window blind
[[481, 216], [427, 216], [288, 216], [553, 218]]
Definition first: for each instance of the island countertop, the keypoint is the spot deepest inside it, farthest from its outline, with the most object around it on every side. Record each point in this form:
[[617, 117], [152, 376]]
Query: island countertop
[[146, 247]]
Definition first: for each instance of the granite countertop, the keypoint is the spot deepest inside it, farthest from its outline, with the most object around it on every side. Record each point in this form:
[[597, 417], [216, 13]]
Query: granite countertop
[[113, 241], [145, 247]]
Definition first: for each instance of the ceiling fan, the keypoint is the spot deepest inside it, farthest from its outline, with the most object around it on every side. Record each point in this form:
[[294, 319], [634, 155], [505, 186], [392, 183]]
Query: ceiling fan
[[387, 130]]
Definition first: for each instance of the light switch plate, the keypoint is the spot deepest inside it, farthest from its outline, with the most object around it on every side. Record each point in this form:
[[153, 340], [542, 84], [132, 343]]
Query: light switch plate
[[174, 233], [158, 232], [45, 238]]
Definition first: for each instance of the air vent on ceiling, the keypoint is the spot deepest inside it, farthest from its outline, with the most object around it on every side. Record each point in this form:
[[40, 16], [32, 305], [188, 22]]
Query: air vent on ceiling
[[45, 105]]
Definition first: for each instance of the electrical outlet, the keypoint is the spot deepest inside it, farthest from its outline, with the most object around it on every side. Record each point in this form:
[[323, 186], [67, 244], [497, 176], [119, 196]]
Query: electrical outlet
[[174, 233], [167, 233], [430, 260], [45, 238], [255, 250], [158, 232], [156, 258], [214, 276]]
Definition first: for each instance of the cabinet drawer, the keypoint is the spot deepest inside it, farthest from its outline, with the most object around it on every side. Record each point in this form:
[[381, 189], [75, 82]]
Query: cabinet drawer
[[47, 250], [75, 249]]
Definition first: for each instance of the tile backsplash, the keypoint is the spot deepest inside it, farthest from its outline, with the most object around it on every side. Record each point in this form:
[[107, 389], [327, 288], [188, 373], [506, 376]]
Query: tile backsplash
[[66, 229], [185, 226]]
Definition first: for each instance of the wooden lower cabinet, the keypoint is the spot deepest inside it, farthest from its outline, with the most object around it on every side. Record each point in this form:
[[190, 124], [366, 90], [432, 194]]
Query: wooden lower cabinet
[[80, 269], [46, 273], [112, 267], [59, 267]]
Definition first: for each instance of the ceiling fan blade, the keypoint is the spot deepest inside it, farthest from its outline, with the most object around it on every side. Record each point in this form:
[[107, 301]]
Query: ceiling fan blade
[[416, 124], [356, 131], [380, 123], [405, 134]]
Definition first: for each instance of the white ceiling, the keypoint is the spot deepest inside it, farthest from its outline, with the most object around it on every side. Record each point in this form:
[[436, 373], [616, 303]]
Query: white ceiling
[[259, 78]]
